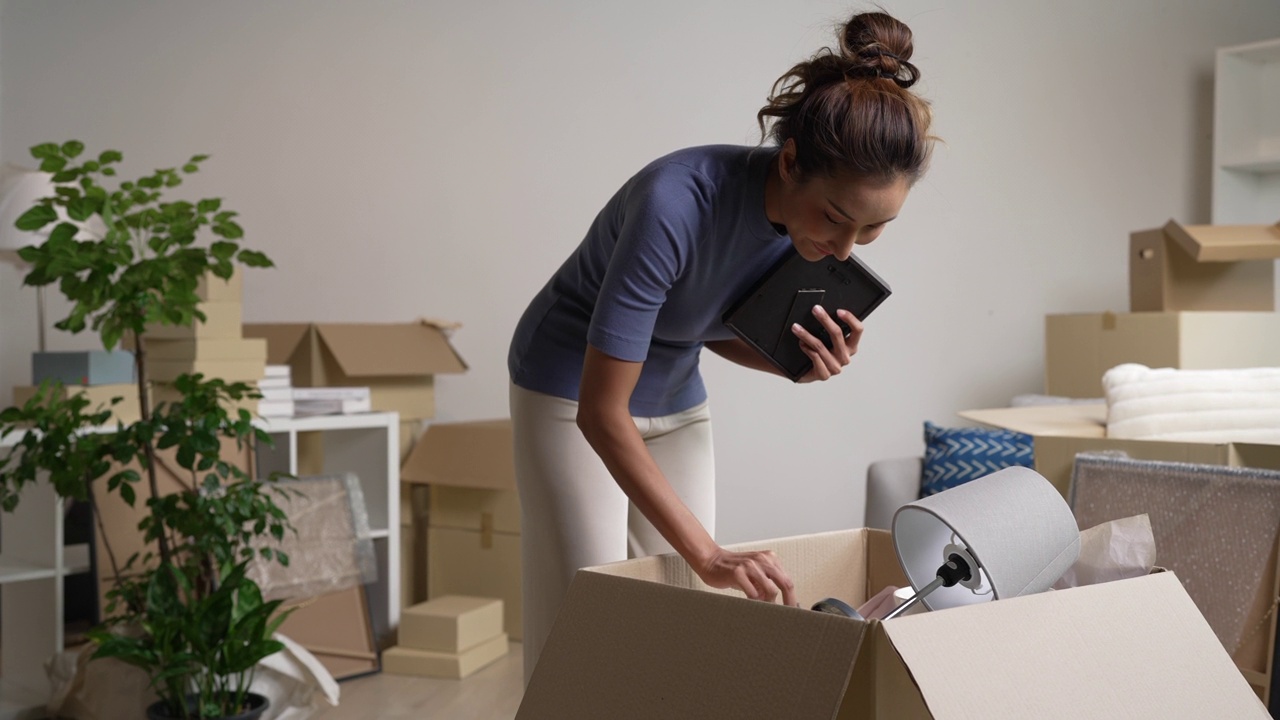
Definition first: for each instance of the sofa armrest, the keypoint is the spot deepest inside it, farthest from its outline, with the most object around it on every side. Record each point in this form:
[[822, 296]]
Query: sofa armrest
[[890, 485]]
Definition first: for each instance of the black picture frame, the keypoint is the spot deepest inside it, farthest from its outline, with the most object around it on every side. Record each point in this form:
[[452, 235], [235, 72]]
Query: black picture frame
[[786, 293]]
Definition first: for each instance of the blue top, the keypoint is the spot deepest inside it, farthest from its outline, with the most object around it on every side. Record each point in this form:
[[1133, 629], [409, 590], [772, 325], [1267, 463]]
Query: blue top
[[666, 257]]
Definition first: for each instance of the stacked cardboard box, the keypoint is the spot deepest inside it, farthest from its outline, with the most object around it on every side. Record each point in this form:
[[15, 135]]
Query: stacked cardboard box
[[467, 514], [215, 347], [451, 637], [1201, 297]]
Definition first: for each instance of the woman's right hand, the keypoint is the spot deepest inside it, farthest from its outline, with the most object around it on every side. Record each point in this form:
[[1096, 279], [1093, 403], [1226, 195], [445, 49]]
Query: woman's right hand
[[757, 574]]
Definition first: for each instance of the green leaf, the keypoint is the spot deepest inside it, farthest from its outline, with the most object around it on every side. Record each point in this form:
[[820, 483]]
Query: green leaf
[[127, 494], [108, 171], [64, 232], [190, 168], [72, 148], [224, 249], [53, 164], [110, 156], [209, 205], [45, 150], [228, 230], [82, 208], [255, 259], [36, 218]]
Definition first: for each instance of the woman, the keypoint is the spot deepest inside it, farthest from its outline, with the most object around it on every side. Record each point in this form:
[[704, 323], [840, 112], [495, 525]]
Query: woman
[[612, 427]]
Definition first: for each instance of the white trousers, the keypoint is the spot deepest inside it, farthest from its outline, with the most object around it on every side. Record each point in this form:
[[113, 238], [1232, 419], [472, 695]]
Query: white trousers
[[574, 515]]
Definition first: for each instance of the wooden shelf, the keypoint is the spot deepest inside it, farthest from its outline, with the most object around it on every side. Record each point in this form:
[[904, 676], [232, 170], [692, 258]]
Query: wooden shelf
[[1246, 130]]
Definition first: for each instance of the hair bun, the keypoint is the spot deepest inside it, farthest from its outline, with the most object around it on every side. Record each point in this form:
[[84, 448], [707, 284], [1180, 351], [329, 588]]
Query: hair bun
[[876, 44]]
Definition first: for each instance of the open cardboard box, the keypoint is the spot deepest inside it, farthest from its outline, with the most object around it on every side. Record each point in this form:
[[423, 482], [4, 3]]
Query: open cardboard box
[[1203, 267], [397, 361], [645, 639]]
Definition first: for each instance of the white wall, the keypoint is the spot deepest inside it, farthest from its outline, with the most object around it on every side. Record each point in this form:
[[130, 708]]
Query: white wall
[[400, 159]]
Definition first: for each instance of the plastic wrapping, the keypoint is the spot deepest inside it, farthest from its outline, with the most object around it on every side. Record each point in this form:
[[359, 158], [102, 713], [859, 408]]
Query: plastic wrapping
[[1214, 526], [332, 548]]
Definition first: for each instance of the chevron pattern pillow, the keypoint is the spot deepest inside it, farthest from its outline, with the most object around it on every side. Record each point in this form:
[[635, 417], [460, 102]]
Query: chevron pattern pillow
[[954, 456]]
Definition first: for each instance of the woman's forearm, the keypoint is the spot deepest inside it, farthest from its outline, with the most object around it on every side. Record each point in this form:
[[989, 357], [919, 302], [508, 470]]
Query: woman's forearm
[[616, 440]]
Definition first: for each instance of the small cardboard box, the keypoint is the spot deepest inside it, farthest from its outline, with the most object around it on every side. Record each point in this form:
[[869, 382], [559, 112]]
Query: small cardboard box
[[1080, 348], [426, 663], [397, 361], [469, 528], [450, 623], [645, 639], [1203, 267], [84, 367]]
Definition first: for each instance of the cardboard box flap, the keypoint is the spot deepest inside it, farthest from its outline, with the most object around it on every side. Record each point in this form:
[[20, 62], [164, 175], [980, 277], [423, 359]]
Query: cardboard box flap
[[737, 659], [1056, 655], [1225, 243], [851, 565], [464, 454], [282, 339], [1067, 420], [390, 349]]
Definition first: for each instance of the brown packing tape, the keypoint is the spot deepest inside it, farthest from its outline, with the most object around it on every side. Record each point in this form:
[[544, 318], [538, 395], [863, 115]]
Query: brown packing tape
[[1108, 321]]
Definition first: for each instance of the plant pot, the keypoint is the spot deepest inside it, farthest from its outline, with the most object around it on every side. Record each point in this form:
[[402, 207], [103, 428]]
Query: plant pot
[[257, 705]]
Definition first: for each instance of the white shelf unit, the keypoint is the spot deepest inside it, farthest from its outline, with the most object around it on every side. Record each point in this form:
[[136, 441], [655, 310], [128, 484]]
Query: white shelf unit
[[32, 568], [369, 446], [34, 562], [1246, 135]]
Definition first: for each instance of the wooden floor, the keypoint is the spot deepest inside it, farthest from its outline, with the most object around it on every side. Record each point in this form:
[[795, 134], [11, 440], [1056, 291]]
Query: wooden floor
[[492, 693]]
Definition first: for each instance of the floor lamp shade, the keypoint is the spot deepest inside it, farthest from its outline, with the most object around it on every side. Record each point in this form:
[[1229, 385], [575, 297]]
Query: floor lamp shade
[[1013, 523], [20, 189]]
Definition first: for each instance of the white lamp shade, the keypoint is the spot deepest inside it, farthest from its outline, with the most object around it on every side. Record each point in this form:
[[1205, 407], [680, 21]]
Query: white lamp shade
[[20, 189], [1013, 522]]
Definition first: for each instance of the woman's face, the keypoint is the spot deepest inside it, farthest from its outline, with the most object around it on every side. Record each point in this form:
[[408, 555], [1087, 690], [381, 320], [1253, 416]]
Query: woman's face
[[828, 216]]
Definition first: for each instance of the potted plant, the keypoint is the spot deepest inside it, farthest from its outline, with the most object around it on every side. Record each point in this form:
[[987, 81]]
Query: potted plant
[[184, 610]]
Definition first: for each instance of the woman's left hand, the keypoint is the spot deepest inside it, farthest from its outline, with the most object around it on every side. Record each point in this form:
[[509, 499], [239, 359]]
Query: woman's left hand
[[828, 363]]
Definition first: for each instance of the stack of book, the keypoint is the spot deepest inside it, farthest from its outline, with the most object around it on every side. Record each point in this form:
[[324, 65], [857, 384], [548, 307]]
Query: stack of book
[[277, 392], [332, 401]]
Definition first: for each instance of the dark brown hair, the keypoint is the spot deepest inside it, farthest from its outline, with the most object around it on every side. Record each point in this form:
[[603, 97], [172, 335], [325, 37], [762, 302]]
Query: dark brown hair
[[850, 111]]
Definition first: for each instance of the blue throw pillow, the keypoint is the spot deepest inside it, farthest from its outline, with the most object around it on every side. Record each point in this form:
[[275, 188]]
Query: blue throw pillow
[[954, 456]]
